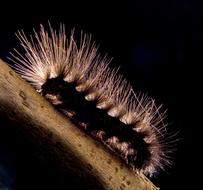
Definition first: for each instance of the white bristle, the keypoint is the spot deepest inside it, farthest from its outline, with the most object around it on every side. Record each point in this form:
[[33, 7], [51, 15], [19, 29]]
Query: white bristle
[[115, 111], [105, 104], [91, 97]]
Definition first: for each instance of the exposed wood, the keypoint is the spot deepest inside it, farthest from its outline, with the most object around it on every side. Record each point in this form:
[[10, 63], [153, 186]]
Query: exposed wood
[[61, 139]]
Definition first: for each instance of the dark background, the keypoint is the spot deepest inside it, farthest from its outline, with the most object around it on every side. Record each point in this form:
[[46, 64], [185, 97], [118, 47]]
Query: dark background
[[158, 45]]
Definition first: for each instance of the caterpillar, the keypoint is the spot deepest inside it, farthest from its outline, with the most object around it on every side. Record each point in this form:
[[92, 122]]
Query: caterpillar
[[80, 83]]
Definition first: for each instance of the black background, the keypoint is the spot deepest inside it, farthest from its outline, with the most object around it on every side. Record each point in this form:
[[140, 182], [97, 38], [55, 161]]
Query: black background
[[158, 45]]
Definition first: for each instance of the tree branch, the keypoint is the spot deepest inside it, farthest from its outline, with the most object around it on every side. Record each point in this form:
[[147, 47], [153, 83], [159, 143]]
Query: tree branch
[[61, 139]]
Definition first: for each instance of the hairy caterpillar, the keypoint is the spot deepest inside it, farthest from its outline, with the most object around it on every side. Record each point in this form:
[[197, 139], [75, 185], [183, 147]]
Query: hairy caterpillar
[[78, 81]]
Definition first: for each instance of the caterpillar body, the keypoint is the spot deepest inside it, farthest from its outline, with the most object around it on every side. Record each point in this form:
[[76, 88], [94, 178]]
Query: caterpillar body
[[78, 81]]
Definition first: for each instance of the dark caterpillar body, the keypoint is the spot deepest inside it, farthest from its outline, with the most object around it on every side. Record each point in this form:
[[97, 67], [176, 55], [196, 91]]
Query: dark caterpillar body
[[77, 80], [120, 137]]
